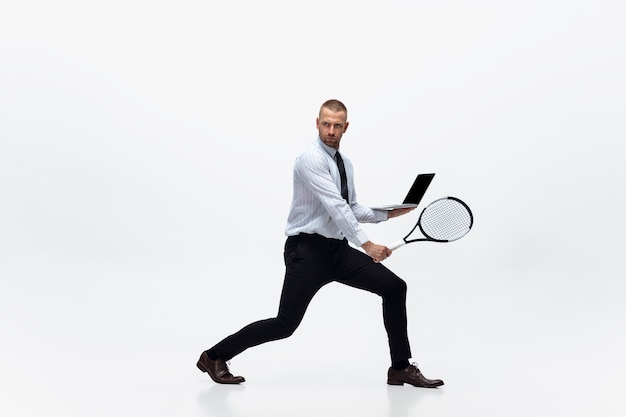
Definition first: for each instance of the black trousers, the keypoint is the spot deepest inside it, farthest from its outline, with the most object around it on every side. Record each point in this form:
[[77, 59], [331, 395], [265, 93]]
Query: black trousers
[[313, 261]]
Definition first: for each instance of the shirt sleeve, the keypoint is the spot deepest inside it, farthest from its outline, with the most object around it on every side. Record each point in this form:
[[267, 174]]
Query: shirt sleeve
[[366, 215]]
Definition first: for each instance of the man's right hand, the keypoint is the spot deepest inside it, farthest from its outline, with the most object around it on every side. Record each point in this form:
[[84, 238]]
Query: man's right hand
[[377, 252]]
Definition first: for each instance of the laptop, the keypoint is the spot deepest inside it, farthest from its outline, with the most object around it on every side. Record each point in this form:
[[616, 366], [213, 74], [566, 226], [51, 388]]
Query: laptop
[[415, 194]]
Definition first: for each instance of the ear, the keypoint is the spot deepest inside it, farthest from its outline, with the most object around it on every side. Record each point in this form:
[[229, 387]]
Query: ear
[[345, 127]]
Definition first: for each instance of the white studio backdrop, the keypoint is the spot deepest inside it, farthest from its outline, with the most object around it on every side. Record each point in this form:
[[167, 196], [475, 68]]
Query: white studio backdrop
[[146, 152]]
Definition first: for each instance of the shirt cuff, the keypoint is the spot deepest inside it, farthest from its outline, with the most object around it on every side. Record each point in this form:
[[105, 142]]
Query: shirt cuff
[[361, 238], [380, 215]]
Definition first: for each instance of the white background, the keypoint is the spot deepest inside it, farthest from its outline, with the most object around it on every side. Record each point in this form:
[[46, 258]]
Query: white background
[[145, 178]]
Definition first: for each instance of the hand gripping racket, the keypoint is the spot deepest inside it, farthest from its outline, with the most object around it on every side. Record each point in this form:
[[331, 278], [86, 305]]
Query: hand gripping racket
[[444, 220]]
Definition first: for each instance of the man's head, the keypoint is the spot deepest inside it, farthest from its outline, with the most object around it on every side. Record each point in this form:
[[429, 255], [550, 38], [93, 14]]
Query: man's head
[[332, 122]]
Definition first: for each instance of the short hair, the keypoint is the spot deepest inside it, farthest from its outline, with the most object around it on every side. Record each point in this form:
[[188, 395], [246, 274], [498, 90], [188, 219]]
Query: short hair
[[334, 105]]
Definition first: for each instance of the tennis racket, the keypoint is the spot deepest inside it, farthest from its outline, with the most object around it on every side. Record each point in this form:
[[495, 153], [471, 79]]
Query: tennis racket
[[444, 220]]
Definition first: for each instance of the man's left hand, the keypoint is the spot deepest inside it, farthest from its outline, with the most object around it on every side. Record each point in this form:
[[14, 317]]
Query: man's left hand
[[399, 212]]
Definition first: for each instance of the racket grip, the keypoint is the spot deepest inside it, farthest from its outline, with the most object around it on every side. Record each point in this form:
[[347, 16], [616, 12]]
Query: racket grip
[[396, 245]]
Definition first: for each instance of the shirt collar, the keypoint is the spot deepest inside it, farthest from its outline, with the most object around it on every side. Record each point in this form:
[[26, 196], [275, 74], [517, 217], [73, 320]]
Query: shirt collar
[[329, 150]]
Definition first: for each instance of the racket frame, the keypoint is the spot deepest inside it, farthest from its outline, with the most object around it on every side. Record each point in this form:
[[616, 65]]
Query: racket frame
[[427, 238]]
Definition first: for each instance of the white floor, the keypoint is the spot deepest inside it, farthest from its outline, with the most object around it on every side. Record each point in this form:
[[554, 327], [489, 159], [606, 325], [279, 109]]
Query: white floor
[[123, 340]]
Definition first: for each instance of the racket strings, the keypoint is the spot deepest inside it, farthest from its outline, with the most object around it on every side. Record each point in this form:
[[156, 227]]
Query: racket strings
[[446, 220]]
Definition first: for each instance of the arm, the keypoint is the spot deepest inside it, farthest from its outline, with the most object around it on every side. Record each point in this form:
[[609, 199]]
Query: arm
[[312, 170]]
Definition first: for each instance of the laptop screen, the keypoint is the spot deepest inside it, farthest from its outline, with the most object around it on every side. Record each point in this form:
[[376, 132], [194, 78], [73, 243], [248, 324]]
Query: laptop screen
[[417, 191]]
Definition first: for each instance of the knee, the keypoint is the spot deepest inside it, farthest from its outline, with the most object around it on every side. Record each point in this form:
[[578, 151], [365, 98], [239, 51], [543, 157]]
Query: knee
[[284, 328], [397, 288], [401, 286]]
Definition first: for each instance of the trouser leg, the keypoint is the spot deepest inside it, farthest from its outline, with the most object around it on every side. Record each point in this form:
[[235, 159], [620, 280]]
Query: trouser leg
[[306, 272], [356, 269]]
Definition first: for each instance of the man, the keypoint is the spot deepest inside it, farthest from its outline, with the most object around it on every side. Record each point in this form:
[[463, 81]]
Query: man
[[324, 217]]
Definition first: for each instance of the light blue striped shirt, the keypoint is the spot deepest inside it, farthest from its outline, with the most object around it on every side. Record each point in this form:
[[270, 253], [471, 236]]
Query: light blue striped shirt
[[317, 205]]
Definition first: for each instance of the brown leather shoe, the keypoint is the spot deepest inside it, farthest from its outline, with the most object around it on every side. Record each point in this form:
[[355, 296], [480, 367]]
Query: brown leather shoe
[[413, 376], [218, 370]]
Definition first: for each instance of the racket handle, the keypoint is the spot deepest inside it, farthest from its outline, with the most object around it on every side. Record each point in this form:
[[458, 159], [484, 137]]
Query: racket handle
[[396, 245]]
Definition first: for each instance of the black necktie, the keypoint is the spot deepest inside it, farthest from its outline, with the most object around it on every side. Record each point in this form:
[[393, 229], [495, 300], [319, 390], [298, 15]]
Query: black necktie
[[344, 179]]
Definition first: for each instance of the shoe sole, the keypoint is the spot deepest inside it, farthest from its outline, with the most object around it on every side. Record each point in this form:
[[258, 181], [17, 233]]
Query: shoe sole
[[398, 382], [390, 382]]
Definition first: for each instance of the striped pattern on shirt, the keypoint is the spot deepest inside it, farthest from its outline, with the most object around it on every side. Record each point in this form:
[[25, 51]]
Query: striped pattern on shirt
[[317, 205]]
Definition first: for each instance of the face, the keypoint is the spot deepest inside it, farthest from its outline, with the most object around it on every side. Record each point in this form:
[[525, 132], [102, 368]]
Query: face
[[331, 126]]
